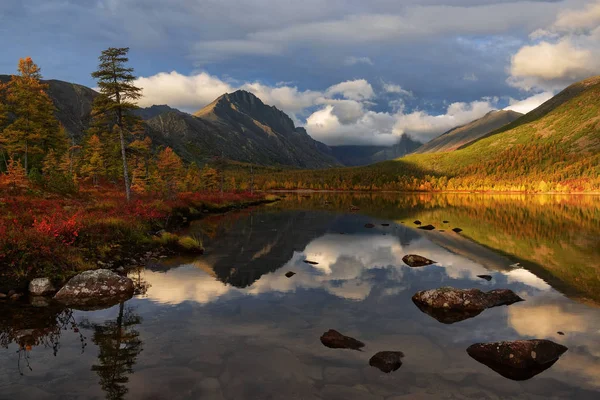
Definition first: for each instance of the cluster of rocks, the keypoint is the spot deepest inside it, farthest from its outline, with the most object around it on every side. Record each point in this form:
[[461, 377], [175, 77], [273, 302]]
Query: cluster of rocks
[[91, 289], [385, 361]]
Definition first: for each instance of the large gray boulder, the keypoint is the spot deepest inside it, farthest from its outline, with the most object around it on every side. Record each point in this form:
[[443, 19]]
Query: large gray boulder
[[449, 305], [41, 287], [98, 288]]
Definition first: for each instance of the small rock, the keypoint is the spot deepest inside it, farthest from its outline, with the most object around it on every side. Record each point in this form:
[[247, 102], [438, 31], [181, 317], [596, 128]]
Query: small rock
[[427, 227], [457, 230], [10, 293], [486, 277], [311, 262], [415, 261], [41, 287], [387, 361], [3, 296], [385, 224], [417, 222], [335, 340], [289, 274], [120, 270], [15, 296], [561, 333], [354, 208], [518, 360], [441, 230], [446, 222], [369, 226]]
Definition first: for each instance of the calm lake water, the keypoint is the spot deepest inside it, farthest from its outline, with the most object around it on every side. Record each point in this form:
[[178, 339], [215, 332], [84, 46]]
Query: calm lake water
[[230, 324]]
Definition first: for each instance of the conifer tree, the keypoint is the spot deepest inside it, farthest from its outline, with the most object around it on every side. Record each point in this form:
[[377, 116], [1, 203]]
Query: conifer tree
[[35, 129], [93, 162], [115, 81], [170, 169], [16, 175]]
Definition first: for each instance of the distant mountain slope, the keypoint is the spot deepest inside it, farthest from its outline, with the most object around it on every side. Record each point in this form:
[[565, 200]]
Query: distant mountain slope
[[73, 104], [404, 146], [461, 135], [557, 142], [240, 127], [555, 147], [352, 156]]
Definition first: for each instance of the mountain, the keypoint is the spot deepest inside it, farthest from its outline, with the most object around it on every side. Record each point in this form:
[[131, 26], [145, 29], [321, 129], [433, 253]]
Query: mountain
[[404, 146], [352, 156], [461, 135], [238, 126], [554, 148]]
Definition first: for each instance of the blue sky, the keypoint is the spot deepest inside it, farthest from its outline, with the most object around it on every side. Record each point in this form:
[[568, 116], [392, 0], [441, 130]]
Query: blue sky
[[416, 67]]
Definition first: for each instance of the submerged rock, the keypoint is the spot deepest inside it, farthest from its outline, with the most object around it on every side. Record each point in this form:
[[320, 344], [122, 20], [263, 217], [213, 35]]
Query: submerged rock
[[369, 226], [518, 360], [414, 261], [311, 262], [457, 230], [385, 224], [99, 288], [449, 305], [561, 333], [427, 227], [486, 277], [289, 274], [41, 287], [417, 222], [387, 361], [335, 340], [39, 301]]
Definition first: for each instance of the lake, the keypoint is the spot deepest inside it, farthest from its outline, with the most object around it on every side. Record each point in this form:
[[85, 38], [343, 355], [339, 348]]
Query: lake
[[231, 325]]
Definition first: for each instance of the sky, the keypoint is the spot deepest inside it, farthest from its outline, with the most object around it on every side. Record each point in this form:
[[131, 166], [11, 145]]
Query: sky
[[350, 71]]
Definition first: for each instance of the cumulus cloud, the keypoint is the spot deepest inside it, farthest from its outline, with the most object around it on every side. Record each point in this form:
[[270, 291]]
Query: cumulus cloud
[[188, 93], [358, 90], [530, 103], [563, 53]]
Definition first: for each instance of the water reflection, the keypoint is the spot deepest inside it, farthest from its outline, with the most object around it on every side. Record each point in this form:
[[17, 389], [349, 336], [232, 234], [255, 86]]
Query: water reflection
[[119, 345], [230, 324]]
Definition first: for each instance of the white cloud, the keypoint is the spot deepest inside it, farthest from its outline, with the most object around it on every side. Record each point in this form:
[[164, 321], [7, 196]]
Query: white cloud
[[393, 88], [346, 120], [358, 90], [186, 92], [358, 60], [568, 51], [530, 103]]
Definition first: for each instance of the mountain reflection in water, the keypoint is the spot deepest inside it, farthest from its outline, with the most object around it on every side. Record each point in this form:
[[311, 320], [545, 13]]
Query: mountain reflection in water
[[230, 324]]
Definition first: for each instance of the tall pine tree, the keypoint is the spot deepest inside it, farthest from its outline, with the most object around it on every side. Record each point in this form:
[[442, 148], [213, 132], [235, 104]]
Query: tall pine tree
[[35, 129], [115, 81]]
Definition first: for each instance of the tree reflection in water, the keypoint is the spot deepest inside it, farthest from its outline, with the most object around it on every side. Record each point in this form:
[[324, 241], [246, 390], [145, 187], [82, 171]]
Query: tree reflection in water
[[119, 345]]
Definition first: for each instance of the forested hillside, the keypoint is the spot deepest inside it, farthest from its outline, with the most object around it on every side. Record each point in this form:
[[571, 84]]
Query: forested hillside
[[555, 147]]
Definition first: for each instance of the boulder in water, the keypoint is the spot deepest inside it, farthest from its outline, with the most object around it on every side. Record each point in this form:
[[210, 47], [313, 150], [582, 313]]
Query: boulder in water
[[387, 361], [417, 222], [335, 340], [289, 274], [520, 359], [486, 277], [98, 288], [427, 227], [457, 230], [415, 261], [449, 305]]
